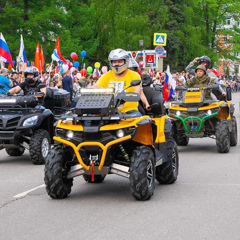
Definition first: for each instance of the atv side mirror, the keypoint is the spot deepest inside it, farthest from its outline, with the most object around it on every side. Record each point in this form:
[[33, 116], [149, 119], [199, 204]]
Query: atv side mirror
[[135, 82], [180, 88], [213, 87]]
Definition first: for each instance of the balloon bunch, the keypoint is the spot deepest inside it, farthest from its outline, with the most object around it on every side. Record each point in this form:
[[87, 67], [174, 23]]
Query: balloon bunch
[[74, 56]]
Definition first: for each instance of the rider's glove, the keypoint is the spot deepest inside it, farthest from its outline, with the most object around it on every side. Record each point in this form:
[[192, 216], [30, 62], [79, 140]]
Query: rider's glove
[[8, 93]]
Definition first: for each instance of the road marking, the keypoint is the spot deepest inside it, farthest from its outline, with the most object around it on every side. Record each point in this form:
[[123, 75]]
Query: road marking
[[20, 195]]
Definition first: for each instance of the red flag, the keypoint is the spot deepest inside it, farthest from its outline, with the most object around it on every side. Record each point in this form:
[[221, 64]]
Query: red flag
[[42, 59], [37, 58], [57, 47], [9, 66]]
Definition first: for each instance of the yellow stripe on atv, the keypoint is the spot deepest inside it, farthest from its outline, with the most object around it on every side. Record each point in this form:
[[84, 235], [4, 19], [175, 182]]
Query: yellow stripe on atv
[[211, 105], [193, 97], [69, 126], [160, 122]]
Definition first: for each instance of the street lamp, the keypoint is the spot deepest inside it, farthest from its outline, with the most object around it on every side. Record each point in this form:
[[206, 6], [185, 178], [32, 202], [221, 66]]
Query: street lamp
[[141, 44], [141, 48]]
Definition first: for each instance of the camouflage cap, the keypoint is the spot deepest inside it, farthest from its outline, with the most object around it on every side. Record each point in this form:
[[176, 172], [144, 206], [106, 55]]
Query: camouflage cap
[[201, 67]]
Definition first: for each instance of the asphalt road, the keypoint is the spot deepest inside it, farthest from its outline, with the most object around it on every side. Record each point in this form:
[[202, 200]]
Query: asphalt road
[[204, 203]]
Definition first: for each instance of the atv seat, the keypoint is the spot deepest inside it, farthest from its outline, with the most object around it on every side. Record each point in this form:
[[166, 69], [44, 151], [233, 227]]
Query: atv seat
[[154, 96]]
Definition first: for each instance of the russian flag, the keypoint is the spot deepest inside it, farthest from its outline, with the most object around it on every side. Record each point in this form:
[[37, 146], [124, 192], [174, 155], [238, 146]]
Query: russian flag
[[169, 85], [22, 54], [5, 54], [97, 73]]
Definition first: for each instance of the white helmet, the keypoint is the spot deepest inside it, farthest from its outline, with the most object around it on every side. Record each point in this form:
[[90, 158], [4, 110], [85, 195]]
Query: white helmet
[[133, 64], [119, 54]]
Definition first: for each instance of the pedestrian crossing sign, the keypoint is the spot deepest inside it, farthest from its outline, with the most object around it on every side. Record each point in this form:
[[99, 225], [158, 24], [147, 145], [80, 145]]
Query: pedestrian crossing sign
[[160, 39]]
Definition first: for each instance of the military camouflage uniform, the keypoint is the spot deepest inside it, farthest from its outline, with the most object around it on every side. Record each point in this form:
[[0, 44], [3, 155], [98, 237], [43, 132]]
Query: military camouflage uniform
[[199, 83]]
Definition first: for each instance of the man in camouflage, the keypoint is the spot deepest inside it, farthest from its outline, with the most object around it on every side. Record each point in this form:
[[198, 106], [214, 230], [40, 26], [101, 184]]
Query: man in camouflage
[[201, 80]]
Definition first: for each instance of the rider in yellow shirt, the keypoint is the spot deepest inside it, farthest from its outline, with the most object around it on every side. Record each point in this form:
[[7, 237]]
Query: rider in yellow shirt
[[120, 77]]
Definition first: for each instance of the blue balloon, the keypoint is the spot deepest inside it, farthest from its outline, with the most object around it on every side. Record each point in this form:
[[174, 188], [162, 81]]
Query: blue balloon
[[14, 62], [61, 71], [28, 63], [83, 54], [76, 64], [7, 61]]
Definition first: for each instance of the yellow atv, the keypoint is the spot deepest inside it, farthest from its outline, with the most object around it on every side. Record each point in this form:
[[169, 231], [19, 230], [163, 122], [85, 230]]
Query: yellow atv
[[196, 117], [98, 140]]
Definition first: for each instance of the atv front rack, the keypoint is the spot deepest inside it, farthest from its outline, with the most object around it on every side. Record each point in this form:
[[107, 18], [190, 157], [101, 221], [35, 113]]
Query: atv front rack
[[116, 117], [103, 147], [201, 121]]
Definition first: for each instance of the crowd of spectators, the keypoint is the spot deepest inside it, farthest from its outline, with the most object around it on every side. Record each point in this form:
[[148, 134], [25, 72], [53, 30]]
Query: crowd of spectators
[[71, 81]]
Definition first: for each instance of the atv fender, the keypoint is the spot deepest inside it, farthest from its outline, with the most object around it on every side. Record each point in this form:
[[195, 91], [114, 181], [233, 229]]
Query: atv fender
[[168, 127], [47, 123], [147, 132], [224, 112]]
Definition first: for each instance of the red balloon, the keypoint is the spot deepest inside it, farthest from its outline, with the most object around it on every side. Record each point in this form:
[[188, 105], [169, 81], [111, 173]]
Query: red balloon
[[74, 57], [141, 64], [83, 72]]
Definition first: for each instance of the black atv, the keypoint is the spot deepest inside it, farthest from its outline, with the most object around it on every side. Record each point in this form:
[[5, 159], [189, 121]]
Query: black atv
[[24, 124]]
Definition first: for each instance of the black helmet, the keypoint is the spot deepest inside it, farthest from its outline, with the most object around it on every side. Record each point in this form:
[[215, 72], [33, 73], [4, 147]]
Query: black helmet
[[31, 70], [205, 59], [146, 80]]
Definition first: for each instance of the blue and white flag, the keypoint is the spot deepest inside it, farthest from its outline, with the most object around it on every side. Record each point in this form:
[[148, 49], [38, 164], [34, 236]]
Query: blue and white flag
[[56, 58], [22, 54]]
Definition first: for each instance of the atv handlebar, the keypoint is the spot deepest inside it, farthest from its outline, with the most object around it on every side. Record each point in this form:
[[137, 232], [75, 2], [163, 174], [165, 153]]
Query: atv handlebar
[[184, 88], [152, 106]]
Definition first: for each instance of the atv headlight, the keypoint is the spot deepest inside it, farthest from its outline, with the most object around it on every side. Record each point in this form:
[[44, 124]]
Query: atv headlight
[[120, 133], [30, 121], [209, 112], [70, 134], [178, 113], [8, 101]]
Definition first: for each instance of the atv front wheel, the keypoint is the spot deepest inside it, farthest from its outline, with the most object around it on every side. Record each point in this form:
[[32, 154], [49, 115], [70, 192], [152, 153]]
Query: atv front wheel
[[233, 133], [97, 178], [182, 141], [167, 172], [142, 173], [222, 136], [14, 152], [39, 147], [57, 185]]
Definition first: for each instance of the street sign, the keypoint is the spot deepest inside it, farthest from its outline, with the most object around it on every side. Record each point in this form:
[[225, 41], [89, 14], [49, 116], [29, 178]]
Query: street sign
[[150, 58], [161, 51], [160, 39]]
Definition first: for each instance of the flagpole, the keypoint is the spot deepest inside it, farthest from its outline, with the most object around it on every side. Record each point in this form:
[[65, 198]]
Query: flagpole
[[49, 71], [41, 68]]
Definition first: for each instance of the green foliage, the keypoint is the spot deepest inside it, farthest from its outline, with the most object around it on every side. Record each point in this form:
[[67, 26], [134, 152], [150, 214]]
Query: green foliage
[[98, 26]]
